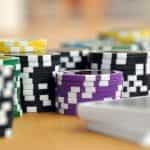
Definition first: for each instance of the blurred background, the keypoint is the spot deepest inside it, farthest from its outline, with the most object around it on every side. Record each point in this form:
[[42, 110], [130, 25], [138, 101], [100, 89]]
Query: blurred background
[[62, 20]]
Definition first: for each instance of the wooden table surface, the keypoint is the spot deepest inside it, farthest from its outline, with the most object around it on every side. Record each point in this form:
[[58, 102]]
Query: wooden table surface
[[57, 132]]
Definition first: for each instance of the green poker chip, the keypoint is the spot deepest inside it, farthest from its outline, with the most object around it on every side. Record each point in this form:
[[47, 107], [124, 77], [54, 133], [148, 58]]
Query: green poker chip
[[132, 47], [120, 47], [15, 63]]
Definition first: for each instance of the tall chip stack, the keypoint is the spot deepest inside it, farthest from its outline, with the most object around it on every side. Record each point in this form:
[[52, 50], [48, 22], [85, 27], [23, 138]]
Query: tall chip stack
[[14, 62], [134, 65], [77, 86], [6, 101], [20, 47]]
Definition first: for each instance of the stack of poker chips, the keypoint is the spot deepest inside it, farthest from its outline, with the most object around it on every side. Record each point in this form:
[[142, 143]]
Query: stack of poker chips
[[6, 101], [38, 77], [14, 62], [134, 65], [13, 48], [22, 46], [77, 86]]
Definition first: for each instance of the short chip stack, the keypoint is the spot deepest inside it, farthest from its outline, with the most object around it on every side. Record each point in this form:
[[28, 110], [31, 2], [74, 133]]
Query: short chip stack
[[14, 63], [22, 46], [77, 86], [6, 101], [134, 65]]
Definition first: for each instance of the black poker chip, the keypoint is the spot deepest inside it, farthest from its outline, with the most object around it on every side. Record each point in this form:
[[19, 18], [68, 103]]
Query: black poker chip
[[134, 66], [6, 101]]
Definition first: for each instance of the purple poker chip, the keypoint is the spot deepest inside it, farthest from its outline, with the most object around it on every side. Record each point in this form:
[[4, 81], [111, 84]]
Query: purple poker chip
[[83, 90], [96, 84], [86, 95], [73, 98], [78, 86], [88, 75]]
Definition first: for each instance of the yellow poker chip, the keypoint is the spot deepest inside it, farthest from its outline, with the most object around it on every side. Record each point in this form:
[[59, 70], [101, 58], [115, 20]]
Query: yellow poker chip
[[109, 34], [127, 36], [23, 46]]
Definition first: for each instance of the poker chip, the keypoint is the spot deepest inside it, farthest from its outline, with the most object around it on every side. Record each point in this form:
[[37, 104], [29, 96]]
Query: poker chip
[[73, 59], [6, 101], [23, 46], [38, 77], [94, 44], [126, 36], [120, 47], [14, 63], [76, 86], [123, 47], [134, 65]]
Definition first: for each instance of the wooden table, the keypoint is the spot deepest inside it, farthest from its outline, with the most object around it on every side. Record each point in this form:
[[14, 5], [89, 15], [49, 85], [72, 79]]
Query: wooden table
[[58, 132]]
